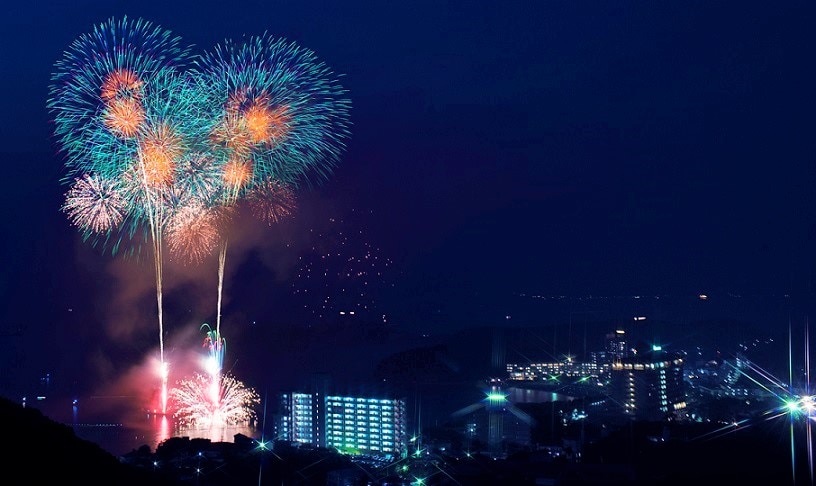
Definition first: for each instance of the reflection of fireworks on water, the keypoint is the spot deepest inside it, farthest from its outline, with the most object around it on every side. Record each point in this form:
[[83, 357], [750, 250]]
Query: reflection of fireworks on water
[[194, 406], [341, 277]]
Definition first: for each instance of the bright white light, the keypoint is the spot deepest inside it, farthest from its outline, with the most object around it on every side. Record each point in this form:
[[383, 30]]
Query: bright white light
[[211, 365], [164, 370]]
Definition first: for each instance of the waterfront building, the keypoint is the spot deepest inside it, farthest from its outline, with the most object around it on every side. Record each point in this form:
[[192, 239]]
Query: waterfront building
[[649, 385]]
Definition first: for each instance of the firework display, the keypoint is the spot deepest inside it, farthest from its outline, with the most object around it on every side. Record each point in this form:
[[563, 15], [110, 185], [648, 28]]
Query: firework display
[[196, 406], [135, 110], [212, 399], [103, 89], [95, 204], [193, 231], [161, 146], [216, 347], [271, 201], [282, 115]]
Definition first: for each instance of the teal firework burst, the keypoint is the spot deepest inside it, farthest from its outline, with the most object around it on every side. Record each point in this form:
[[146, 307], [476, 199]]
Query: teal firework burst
[[102, 88], [282, 113], [216, 347]]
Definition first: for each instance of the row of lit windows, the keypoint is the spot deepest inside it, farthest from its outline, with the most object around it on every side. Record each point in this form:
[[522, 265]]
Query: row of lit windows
[[543, 371], [359, 420], [376, 434], [371, 448], [349, 421], [550, 366], [362, 435], [385, 427], [363, 442], [362, 427], [332, 407], [365, 400], [638, 366], [351, 413], [350, 417]]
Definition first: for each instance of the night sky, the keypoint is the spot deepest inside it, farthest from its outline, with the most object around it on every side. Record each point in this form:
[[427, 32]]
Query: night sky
[[497, 150]]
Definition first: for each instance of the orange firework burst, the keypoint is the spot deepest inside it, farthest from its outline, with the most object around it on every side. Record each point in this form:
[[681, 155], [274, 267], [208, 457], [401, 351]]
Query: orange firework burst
[[272, 201], [267, 125], [122, 92], [159, 150], [192, 232], [257, 117], [123, 116], [237, 174], [120, 84]]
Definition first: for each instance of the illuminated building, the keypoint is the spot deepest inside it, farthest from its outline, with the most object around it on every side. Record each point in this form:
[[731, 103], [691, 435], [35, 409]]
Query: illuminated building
[[366, 425], [354, 425], [546, 371], [616, 345], [595, 370], [649, 385], [297, 419]]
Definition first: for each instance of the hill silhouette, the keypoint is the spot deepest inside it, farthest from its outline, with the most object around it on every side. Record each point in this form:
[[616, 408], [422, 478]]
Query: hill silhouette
[[50, 452]]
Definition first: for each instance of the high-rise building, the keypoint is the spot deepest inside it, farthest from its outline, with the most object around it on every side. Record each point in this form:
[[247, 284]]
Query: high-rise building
[[616, 345], [355, 425], [366, 425], [297, 419], [649, 384]]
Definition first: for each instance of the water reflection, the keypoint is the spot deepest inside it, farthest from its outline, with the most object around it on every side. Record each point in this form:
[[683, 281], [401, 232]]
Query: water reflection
[[532, 395], [154, 429], [119, 427]]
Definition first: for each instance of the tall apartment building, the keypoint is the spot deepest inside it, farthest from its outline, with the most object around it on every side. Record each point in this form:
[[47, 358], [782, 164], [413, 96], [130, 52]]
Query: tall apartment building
[[355, 425], [366, 425], [297, 419]]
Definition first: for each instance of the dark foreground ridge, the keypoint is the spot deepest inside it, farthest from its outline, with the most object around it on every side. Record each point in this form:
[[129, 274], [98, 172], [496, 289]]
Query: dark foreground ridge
[[48, 452]]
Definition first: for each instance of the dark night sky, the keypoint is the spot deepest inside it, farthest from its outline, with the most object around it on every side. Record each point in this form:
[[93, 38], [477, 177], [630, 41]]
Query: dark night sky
[[497, 148]]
